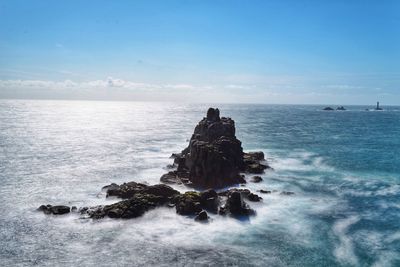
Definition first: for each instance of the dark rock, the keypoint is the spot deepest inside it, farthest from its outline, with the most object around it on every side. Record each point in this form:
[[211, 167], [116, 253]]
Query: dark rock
[[95, 212], [112, 186], [202, 216], [133, 207], [256, 179], [126, 209], [256, 168], [56, 210], [214, 157], [128, 190], [253, 197], [170, 178], [188, 203], [215, 165], [254, 156], [74, 208], [340, 108], [145, 197], [171, 166], [236, 206], [175, 155], [141, 198], [252, 162], [222, 210], [209, 200], [160, 190], [45, 208], [245, 193], [125, 190], [328, 109], [213, 115], [287, 193], [264, 191]]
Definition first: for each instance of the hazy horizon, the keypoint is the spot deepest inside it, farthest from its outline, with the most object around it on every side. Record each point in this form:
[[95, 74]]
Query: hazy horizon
[[270, 52]]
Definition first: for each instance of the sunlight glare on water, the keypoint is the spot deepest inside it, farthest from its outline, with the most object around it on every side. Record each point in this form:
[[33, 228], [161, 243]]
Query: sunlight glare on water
[[344, 168]]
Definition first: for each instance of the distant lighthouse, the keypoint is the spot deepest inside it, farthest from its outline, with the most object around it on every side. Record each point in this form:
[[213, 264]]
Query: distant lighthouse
[[377, 106]]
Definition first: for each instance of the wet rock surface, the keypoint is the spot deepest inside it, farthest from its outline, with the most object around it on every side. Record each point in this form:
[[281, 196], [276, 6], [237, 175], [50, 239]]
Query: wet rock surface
[[263, 191], [214, 157], [202, 216], [129, 190], [236, 206], [56, 210], [256, 179], [139, 198]]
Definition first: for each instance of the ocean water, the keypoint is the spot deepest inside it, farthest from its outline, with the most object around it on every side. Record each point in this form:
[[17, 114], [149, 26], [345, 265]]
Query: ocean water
[[344, 168]]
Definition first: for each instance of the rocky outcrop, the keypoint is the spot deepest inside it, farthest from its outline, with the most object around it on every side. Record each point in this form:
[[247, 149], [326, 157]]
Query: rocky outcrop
[[245, 193], [236, 206], [129, 190], [202, 216], [214, 157], [256, 179], [56, 210], [140, 198]]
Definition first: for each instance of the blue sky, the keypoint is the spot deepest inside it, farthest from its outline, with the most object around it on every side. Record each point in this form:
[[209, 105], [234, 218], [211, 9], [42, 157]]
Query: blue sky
[[339, 52]]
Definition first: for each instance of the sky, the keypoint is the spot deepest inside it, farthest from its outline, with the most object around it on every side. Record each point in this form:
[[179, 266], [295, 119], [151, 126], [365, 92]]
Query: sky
[[273, 52]]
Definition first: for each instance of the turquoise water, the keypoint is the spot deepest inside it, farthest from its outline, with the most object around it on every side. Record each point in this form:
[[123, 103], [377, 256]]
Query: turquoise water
[[344, 168]]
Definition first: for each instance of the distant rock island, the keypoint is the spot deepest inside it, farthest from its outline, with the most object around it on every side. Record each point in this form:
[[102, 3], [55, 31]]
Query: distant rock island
[[341, 108], [213, 160]]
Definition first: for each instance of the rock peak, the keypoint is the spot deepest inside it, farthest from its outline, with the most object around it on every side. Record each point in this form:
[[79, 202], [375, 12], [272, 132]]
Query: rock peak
[[214, 157], [213, 114]]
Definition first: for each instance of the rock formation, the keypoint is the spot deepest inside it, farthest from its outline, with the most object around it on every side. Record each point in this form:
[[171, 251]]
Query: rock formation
[[139, 198], [214, 157]]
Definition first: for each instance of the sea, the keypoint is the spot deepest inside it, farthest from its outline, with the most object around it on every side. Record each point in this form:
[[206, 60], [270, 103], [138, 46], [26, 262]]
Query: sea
[[343, 167]]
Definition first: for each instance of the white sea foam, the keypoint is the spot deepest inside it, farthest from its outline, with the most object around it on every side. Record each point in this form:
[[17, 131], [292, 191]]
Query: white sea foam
[[344, 251], [64, 152]]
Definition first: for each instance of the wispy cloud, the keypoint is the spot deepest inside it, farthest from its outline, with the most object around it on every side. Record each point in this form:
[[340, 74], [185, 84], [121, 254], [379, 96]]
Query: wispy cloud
[[110, 82], [120, 89]]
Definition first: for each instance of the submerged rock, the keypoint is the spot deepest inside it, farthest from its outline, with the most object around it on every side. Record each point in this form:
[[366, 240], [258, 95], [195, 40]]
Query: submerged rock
[[214, 157], [256, 179], [287, 193], [245, 193], [328, 109], [209, 200], [265, 191], [236, 206], [202, 216], [56, 210], [253, 197]]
